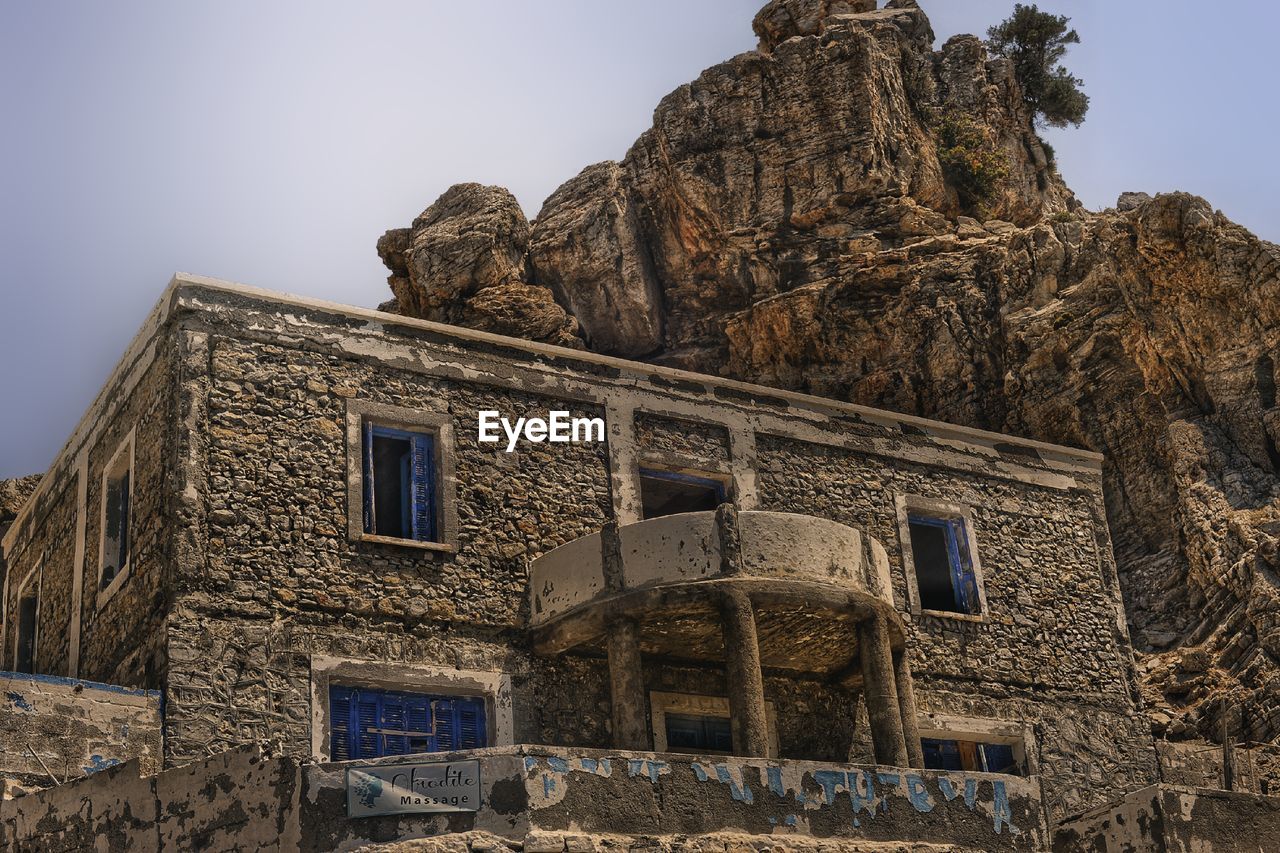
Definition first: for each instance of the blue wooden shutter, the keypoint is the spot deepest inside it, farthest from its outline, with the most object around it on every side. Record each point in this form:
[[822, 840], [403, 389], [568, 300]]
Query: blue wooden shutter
[[446, 722], [471, 730], [367, 438], [422, 492], [963, 580], [393, 719], [340, 723], [418, 720], [367, 712]]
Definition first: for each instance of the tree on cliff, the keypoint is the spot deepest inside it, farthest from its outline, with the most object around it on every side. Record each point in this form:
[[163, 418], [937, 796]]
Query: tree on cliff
[[1035, 43]]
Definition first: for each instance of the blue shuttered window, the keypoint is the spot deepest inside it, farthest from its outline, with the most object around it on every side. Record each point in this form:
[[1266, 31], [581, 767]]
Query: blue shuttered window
[[943, 754], [944, 568], [370, 723], [400, 483]]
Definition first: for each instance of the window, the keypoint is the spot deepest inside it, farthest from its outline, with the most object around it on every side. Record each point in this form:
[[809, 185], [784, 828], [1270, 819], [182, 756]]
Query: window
[[117, 497], [943, 754], [688, 722], [400, 484], [944, 571], [668, 493], [369, 723], [25, 657], [692, 733]]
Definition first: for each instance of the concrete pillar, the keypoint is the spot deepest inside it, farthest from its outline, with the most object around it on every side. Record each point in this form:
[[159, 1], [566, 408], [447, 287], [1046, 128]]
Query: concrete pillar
[[626, 671], [880, 692], [747, 718], [907, 707], [626, 687]]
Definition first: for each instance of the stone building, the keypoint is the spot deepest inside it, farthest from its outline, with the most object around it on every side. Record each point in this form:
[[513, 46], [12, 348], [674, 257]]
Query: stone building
[[305, 525]]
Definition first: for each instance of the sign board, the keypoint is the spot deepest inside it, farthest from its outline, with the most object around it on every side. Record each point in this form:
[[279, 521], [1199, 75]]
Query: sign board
[[376, 789]]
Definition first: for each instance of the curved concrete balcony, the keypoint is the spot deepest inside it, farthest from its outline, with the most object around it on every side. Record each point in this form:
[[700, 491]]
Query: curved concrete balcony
[[809, 579], [750, 590]]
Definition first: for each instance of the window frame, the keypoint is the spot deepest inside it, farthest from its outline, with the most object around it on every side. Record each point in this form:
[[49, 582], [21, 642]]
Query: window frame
[[106, 591], [699, 705], [1013, 733], [384, 699], [649, 467], [37, 573], [908, 505], [326, 671], [438, 425]]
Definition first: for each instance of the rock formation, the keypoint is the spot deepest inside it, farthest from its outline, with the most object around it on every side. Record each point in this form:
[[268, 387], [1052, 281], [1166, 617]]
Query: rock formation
[[848, 212], [13, 494]]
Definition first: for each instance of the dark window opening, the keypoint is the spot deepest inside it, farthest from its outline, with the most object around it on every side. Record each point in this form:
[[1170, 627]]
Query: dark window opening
[[944, 569], [668, 493], [26, 660], [399, 484], [115, 551], [970, 755], [690, 733], [369, 723]]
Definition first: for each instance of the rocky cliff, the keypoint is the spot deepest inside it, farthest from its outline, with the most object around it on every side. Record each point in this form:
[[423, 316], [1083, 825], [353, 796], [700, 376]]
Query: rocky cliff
[[849, 212]]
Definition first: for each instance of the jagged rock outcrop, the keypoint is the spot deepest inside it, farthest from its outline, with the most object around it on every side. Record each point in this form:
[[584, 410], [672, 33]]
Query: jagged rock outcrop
[[13, 494], [815, 215], [463, 262]]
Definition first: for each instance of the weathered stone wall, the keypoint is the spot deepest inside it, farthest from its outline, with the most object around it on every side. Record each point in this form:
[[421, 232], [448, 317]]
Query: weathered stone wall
[[57, 729], [56, 539], [1168, 818], [282, 581], [1046, 653]]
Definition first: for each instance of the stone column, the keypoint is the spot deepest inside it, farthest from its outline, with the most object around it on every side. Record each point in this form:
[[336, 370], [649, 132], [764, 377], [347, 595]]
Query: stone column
[[626, 672], [880, 692], [626, 687], [746, 683], [907, 707]]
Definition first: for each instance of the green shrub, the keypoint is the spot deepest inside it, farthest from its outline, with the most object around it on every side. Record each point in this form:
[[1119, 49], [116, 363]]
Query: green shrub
[[971, 161]]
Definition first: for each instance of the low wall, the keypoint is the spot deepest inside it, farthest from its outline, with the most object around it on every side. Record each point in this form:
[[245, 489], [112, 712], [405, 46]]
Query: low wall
[[1172, 819], [56, 729], [242, 800]]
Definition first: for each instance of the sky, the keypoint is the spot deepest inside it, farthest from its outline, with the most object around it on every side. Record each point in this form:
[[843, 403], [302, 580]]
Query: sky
[[272, 141]]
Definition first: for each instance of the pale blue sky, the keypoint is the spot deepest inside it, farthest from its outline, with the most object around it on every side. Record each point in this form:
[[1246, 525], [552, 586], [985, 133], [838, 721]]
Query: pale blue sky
[[273, 142]]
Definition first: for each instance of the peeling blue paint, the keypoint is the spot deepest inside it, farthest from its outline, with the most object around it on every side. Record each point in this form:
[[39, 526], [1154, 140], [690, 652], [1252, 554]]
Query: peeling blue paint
[[548, 784], [1000, 807], [774, 775], [918, 793], [19, 700], [97, 762], [699, 772], [77, 682], [862, 792], [741, 793], [949, 790], [530, 763], [558, 764], [603, 767], [829, 780], [791, 820], [970, 792], [644, 767], [893, 780]]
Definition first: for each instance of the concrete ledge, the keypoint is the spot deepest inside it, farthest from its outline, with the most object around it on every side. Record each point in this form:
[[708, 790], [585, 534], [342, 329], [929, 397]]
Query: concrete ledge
[[1169, 818], [244, 800]]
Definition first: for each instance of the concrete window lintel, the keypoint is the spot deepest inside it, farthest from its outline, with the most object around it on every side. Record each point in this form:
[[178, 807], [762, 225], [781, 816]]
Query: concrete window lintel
[[439, 424], [904, 505], [494, 687]]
